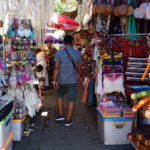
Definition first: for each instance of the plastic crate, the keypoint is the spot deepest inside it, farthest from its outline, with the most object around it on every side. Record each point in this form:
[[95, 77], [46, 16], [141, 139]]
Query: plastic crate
[[8, 145], [18, 128], [5, 128], [114, 131]]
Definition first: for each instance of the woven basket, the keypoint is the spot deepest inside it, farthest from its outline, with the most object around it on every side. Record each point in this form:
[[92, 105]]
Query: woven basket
[[122, 10], [100, 9], [108, 11], [130, 11], [116, 11], [94, 10]]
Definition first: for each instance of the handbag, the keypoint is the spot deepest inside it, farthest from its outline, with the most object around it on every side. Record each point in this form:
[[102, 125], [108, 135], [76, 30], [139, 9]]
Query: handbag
[[70, 57]]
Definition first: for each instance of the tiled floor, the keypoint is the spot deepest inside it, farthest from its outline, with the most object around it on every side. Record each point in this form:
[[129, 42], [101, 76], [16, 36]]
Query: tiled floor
[[50, 135]]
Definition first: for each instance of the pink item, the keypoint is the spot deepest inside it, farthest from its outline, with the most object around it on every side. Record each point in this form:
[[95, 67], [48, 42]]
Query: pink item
[[1, 66], [28, 78], [24, 77], [113, 83]]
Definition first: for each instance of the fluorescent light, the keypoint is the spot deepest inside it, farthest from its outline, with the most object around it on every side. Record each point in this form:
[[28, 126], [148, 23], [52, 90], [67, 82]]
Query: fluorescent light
[[44, 113]]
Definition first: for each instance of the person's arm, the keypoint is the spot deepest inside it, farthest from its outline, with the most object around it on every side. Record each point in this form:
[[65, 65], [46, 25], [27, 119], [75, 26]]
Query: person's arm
[[55, 75], [79, 70], [56, 70], [79, 66]]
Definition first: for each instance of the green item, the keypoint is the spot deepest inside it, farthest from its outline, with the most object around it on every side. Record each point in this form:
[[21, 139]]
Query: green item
[[140, 94], [7, 118], [132, 29]]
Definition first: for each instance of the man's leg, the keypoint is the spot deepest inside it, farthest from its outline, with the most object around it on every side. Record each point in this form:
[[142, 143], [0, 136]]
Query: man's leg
[[71, 93], [60, 104], [70, 110]]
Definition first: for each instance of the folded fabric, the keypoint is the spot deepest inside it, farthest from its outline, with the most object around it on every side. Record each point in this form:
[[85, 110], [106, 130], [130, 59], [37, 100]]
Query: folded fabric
[[115, 109], [107, 69], [107, 56], [117, 61], [107, 104]]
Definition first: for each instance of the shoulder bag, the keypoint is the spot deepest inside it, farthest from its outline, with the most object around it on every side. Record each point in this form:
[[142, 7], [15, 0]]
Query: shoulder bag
[[71, 59]]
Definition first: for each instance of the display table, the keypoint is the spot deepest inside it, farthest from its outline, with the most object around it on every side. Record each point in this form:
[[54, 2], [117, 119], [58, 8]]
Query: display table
[[114, 131]]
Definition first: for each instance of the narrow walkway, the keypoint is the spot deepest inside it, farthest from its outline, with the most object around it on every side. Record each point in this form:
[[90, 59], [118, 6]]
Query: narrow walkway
[[50, 135]]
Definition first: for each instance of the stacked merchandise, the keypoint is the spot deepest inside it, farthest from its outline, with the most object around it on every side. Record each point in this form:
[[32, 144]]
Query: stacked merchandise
[[113, 87], [19, 43], [135, 68], [4, 78], [6, 111], [115, 110], [19, 51], [115, 117], [20, 110]]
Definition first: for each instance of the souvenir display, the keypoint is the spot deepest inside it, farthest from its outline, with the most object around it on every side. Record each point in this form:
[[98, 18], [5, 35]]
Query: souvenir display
[[19, 43]]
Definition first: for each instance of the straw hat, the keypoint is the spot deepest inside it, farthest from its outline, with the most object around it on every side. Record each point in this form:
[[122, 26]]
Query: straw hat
[[116, 11], [130, 11], [100, 9], [94, 10], [109, 10], [122, 10]]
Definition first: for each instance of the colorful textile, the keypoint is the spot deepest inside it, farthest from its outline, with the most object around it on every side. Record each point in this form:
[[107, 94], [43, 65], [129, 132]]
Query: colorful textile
[[113, 83]]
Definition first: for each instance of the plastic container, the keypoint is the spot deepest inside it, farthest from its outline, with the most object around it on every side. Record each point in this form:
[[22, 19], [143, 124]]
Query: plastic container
[[114, 131], [18, 128], [5, 128], [8, 145]]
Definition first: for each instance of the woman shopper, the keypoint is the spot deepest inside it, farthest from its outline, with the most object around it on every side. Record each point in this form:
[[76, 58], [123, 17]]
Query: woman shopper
[[40, 60], [66, 71]]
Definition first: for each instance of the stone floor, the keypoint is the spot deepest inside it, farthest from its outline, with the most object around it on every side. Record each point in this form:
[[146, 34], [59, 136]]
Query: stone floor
[[51, 135]]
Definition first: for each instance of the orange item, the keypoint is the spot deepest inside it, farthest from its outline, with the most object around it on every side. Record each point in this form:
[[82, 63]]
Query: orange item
[[147, 112], [141, 103], [146, 71], [8, 141]]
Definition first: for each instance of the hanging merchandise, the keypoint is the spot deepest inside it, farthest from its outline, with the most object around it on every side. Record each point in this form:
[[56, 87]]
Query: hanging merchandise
[[142, 12], [19, 48], [88, 14], [23, 92], [19, 43]]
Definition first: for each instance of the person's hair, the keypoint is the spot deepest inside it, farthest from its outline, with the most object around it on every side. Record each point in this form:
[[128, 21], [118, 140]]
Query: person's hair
[[68, 39], [38, 50], [39, 68]]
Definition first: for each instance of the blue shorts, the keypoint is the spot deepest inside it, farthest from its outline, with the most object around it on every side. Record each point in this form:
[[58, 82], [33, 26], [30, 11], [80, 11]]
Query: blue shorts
[[67, 89]]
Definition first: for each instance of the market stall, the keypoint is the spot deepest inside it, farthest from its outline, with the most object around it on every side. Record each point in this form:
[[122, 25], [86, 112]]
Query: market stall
[[119, 49]]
